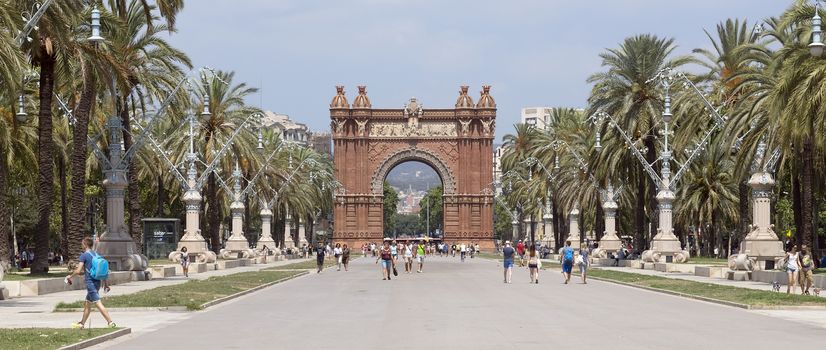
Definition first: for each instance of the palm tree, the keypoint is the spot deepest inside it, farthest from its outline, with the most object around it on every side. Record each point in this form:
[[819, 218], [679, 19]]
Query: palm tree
[[47, 51], [708, 194], [728, 60], [628, 91]]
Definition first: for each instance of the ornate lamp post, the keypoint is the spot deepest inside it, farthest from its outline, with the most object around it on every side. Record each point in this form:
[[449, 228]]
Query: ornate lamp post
[[665, 247]]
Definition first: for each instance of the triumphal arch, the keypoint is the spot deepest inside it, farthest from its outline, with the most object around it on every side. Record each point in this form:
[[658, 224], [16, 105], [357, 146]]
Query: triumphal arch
[[457, 142]]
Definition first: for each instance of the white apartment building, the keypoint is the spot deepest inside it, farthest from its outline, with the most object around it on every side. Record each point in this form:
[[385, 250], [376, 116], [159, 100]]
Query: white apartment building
[[289, 129], [536, 116]]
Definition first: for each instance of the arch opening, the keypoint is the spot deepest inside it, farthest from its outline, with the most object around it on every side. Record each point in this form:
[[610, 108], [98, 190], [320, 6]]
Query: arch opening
[[413, 201]]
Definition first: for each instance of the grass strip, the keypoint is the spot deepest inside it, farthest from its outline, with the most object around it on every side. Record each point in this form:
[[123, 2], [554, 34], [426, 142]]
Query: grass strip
[[192, 294], [307, 265], [708, 261], [46, 338], [739, 295], [26, 276]]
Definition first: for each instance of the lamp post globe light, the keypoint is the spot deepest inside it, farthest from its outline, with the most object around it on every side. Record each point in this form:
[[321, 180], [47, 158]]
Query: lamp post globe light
[[816, 47]]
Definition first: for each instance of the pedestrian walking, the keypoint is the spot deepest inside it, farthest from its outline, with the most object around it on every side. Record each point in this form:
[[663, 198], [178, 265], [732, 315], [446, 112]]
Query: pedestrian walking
[[807, 266], [407, 250], [345, 257], [185, 261], [394, 251], [420, 256], [462, 251], [88, 261], [567, 260], [386, 259], [534, 264], [520, 249], [792, 268], [507, 254], [337, 254], [319, 257], [584, 262]]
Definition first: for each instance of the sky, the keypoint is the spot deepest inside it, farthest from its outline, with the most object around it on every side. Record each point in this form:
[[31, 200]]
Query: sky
[[532, 52]]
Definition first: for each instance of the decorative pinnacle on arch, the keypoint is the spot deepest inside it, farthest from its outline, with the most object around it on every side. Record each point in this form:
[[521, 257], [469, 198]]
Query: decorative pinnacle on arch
[[486, 100], [464, 100], [362, 101], [339, 100]]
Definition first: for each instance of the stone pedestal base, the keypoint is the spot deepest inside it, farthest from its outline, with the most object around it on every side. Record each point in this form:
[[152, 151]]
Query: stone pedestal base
[[607, 245], [237, 247], [757, 255], [197, 250], [4, 293], [121, 253], [665, 251], [265, 241], [288, 243]]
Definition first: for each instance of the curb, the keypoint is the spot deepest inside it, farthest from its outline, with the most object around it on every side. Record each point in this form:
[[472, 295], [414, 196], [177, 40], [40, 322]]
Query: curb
[[248, 291], [97, 340], [679, 294], [130, 309]]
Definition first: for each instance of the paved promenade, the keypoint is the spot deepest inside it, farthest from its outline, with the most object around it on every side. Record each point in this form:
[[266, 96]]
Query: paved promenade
[[457, 305]]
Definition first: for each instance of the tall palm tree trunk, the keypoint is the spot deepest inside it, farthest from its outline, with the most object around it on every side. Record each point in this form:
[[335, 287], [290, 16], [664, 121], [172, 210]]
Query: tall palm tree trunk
[[599, 222], [653, 205], [639, 214], [214, 214], [161, 197], [5, 246], [132, 190], [797, 200], [64, 206], [45, 159], [807, 194], [77, 194], [745, 215]]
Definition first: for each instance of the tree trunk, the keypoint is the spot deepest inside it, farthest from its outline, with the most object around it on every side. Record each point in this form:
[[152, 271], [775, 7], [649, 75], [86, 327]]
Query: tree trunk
[[133, 199], [5, 234], [64, 207], [796, 202], [45, 159], [743, 208], [639, 215], [161, 197], [653, 205], [213, 213], [77, 193], [557, 228], [599, 222], [807, 194]]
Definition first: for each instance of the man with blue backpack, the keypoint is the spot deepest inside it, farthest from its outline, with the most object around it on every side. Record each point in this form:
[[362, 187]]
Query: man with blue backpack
[[567, 259], [95, 270]]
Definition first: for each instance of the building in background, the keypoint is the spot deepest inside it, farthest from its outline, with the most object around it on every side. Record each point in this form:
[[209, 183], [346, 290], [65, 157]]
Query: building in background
[[497, 167], [289, 129], [322, 142], [536, 116]]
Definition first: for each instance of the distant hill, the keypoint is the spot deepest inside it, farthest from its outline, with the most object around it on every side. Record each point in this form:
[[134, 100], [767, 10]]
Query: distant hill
[[417, 175]]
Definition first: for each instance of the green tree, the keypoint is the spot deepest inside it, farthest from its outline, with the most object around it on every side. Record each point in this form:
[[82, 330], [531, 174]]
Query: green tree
[[433, 200], [628, 91], [391, 202]]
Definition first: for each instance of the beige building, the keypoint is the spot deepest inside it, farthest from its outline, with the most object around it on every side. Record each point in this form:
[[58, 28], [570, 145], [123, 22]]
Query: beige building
[[289, 129]]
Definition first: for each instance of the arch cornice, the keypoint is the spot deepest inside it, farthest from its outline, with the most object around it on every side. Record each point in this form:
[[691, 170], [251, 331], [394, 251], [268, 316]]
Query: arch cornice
[[414, 154]]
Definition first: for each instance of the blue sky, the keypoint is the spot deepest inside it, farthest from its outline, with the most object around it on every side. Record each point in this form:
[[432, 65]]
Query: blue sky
[[534, 53]]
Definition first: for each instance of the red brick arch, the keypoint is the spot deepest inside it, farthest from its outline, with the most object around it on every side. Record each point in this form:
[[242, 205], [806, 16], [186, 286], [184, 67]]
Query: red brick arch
[[456, 142]]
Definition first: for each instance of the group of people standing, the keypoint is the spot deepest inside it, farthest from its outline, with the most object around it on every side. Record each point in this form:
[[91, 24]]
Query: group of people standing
[[568, 257], [391, 252], [341, 252], [799, 266]]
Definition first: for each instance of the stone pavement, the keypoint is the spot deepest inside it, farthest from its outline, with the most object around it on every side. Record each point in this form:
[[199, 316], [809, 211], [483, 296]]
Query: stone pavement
[[37, 311], [456, 305]]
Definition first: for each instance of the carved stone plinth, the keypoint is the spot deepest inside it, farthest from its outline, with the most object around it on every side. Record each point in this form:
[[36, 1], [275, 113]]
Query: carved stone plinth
[[665, 246], [609, 242], [115, 244], [302, 233], [266, 236], [574, 235], [196, 245], [761, 243], [237, 245]]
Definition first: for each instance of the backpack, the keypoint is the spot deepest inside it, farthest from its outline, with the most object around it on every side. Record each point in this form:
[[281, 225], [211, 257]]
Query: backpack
[[567, 255], [100, 268]]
